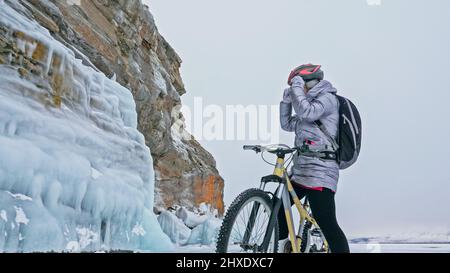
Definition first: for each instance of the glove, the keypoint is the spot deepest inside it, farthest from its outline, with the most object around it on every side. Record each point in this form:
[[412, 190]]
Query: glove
[[287, 96], [298, 81]]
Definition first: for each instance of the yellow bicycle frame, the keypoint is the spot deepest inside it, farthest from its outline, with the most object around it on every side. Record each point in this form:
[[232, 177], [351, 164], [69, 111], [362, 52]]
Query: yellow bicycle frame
[[281, 172]]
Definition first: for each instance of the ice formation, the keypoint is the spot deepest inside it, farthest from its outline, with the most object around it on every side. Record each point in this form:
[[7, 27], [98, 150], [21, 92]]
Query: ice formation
[[206, 233], [75, 174], [174, 228], [185, 227]]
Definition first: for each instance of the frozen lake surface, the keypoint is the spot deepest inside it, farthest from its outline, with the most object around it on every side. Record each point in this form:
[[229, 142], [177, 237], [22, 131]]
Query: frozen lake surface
[[356, 248], [400, 248]]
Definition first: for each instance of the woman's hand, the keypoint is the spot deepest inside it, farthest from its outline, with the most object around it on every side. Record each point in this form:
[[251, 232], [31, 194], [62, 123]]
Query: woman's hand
[[298, 81], [287, 96]]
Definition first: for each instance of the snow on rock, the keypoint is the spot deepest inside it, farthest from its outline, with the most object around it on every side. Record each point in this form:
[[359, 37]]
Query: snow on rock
[[75, 173], [189, 218]]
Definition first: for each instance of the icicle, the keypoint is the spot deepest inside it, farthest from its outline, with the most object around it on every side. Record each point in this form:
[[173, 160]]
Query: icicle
[[107, 235], [62, 65], [49, 60], [20, 44], [31, 47]]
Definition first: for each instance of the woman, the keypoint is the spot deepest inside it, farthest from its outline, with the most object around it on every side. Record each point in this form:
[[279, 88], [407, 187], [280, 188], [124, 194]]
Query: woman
[[313, 99]]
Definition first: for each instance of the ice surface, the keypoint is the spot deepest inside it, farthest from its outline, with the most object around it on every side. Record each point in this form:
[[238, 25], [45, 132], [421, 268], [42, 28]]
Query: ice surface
[[77, 177], [407, 237], [354, 248]]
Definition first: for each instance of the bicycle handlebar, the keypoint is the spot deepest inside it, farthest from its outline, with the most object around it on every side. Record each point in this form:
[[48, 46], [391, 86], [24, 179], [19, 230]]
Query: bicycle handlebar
[[271, 149], [284, 149], [256, 148]]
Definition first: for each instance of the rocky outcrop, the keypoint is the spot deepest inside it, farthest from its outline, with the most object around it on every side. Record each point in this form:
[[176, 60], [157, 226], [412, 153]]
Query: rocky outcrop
[[120, 39], [75, 173]]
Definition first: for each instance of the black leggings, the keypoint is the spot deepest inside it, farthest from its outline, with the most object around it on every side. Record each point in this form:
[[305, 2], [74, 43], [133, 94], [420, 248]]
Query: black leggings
[[324, 209]]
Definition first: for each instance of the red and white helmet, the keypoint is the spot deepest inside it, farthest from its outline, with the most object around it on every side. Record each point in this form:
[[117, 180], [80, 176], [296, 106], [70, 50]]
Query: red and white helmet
[[308, 72]]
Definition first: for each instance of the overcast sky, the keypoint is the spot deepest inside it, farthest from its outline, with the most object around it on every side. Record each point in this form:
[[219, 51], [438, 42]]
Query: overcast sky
[[392, 60]]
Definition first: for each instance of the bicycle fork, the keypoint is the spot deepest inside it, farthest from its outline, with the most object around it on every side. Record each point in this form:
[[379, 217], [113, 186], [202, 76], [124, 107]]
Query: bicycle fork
[[282, 198], [283, 193], [252, 219]]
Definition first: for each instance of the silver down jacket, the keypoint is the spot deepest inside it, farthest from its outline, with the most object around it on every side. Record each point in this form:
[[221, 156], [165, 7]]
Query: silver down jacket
[[319, 103]]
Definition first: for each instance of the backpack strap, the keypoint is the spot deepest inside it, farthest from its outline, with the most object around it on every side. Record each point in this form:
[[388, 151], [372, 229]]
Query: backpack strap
[[331, 139]]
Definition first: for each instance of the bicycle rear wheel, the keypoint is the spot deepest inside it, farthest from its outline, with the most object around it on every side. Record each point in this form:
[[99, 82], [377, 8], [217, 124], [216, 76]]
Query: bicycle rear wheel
[[245, 224]]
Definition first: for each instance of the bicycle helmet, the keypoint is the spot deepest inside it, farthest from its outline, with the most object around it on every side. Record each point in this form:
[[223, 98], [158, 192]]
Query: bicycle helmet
[[308, 72]]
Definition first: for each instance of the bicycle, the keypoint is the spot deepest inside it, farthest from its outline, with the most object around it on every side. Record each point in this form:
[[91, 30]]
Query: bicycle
[[243, 230]]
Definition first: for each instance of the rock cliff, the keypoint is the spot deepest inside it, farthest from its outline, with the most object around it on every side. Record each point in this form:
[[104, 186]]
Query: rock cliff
[[120, 39]]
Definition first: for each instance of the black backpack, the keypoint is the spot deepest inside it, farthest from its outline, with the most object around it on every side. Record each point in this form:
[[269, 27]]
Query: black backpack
[[348, 144]]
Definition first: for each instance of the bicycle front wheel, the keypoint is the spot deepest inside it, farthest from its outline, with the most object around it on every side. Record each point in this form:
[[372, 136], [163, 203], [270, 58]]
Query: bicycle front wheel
[[245, 224]]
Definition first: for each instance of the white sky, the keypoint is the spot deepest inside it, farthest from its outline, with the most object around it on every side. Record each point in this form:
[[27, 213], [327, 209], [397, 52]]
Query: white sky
[[392, 60]]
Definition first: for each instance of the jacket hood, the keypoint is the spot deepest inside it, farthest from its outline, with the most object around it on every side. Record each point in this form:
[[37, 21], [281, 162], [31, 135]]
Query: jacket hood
[[321, 88]]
